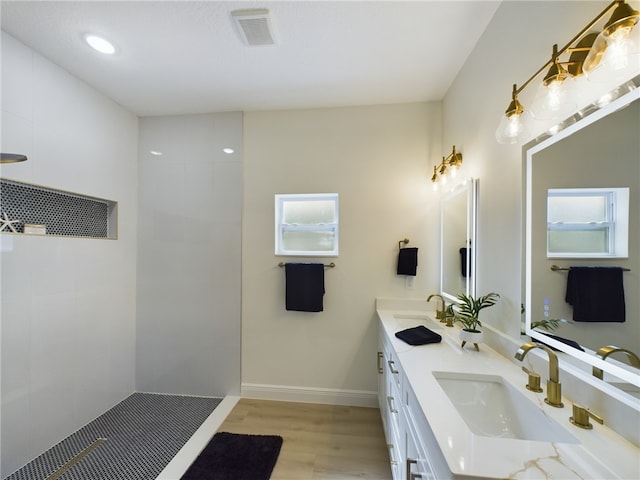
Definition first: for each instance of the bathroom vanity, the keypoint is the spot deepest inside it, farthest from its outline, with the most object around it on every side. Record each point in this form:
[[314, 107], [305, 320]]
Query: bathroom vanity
[[455, 413]]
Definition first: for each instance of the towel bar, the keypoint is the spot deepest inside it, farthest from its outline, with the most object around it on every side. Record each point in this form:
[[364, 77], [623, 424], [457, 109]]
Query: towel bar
[[331, 265], [556, 268]]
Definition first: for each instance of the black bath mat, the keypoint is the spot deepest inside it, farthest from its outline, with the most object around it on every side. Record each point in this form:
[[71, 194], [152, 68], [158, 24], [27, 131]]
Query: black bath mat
[[232, 456]]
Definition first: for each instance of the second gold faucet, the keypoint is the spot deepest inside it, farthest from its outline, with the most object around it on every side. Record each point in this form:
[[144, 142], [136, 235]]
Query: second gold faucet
[[554, 389]]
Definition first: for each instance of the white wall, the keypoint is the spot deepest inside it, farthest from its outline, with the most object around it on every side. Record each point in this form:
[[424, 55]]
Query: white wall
[[379, 160], [189, 255], [68, 304]]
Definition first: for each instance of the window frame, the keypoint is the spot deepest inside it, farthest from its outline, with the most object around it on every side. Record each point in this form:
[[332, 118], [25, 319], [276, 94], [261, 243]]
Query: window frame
[[281, 228], [616, 222]]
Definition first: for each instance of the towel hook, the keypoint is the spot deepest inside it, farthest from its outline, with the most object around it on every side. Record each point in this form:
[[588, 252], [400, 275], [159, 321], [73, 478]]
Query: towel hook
[[404, 240]]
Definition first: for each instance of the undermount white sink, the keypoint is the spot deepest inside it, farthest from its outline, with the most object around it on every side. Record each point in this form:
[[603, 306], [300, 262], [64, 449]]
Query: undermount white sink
[[492, 407], [415, 319]]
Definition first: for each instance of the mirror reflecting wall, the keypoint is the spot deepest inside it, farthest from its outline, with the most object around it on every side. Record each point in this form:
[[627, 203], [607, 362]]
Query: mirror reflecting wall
[[598, 154], [458, 227]]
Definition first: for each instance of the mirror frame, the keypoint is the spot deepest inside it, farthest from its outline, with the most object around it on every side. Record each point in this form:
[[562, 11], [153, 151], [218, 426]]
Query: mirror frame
[[470, 188], [594, 113]]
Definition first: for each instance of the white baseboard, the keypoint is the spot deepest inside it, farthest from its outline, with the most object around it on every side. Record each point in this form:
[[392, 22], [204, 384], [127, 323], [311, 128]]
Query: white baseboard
[[359, 398]]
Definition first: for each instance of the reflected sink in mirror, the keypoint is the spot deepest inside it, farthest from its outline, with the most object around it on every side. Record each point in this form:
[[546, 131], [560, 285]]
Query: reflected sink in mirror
[[492, 407], [412, 320]]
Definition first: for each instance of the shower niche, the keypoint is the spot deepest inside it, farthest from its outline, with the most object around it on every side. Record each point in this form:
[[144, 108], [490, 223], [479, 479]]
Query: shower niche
[[38, 210]]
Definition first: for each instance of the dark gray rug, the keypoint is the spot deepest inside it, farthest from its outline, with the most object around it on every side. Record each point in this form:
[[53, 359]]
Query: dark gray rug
[[143, 433], [232, 456]]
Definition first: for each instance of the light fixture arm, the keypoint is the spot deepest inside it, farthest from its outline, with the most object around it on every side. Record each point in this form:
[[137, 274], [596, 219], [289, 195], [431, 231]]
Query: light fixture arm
[[564, 49]]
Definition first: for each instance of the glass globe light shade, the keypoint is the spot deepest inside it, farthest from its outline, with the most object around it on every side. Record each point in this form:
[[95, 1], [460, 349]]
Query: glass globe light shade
[[512, 129], [615, 55], [554, 101]]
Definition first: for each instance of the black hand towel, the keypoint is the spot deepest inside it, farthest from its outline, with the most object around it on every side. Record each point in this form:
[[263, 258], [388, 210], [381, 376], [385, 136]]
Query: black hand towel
[[407, 261], [304, 286], [464, 253], [596, 294], [418, 336]]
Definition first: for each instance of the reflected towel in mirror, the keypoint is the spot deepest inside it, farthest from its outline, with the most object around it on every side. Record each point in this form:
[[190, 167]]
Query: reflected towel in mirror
[[596, 294]]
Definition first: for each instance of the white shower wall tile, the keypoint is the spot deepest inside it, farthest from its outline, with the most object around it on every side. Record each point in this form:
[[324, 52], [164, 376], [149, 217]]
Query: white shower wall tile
[[182, 291], [49, 284]]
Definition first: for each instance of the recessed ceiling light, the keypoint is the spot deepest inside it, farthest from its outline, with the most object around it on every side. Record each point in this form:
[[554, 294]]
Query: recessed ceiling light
[[100, 44], [228, 150], [155, 152]]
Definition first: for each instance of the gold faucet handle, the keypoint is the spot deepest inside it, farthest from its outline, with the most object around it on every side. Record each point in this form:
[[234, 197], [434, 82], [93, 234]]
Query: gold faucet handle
[[534, 380], [581, 417]]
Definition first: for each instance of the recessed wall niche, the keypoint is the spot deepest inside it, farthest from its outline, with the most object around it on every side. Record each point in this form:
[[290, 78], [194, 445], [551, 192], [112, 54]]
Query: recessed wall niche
[[48, 211]]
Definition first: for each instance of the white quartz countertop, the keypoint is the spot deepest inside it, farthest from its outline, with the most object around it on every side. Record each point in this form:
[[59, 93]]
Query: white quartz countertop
[[598, 454]]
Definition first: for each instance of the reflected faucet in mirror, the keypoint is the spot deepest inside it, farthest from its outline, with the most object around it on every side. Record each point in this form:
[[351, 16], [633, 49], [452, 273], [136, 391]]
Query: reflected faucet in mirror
[[554, 389], [604, 352]]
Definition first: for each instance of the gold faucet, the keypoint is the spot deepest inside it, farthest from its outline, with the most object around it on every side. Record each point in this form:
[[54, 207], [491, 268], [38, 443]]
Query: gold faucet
[[554, 389], [440, 314], [604, 352]]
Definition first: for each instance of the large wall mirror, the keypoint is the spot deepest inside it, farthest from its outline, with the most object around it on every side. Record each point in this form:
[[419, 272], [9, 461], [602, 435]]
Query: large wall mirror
[[458, 237], [582, 198]]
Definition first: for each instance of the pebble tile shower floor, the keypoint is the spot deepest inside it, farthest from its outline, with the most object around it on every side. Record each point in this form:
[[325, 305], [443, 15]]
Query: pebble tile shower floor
[[144, 432]]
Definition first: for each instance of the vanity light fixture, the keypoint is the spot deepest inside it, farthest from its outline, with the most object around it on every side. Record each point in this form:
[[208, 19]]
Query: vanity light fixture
[[448, 167], [12, 157], [612, 53]]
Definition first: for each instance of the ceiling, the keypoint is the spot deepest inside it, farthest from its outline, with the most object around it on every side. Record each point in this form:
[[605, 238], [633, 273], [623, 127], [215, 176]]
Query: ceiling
[[180, 57]]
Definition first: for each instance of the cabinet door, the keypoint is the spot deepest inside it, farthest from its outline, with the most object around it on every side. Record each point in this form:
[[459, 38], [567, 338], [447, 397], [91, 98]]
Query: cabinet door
[[431, 461], [389, 418], [416, 461]]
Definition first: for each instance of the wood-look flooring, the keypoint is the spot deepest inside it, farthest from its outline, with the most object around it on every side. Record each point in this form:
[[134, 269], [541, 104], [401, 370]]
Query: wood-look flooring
[[321, 442]]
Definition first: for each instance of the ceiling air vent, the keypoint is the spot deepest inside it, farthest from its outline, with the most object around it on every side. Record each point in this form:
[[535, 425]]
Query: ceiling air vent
[[255, 26]]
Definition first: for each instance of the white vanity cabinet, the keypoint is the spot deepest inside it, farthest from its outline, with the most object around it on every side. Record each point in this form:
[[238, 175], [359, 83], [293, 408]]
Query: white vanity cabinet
[[429, 437], [401, 420]]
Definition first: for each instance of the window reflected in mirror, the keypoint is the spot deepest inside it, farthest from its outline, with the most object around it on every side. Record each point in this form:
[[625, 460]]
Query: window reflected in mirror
[[587, 222]]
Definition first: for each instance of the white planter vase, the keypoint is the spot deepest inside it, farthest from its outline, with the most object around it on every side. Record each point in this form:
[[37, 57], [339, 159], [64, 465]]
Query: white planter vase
[[471, 337]]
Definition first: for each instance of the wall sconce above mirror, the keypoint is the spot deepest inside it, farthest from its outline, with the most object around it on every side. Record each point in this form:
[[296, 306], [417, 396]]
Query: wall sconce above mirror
[[610, 53], [458, 240], [447, 169]]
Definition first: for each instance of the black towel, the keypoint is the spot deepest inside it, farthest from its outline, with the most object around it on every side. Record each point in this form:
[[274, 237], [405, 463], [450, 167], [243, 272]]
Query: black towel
[[304, 286], [407, 261], [464, 253], [596, 294], [418, 336], [566, 341]]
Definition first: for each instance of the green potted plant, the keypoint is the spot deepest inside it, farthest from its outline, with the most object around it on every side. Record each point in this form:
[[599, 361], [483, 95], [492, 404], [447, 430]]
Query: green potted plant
[[468, 312]]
